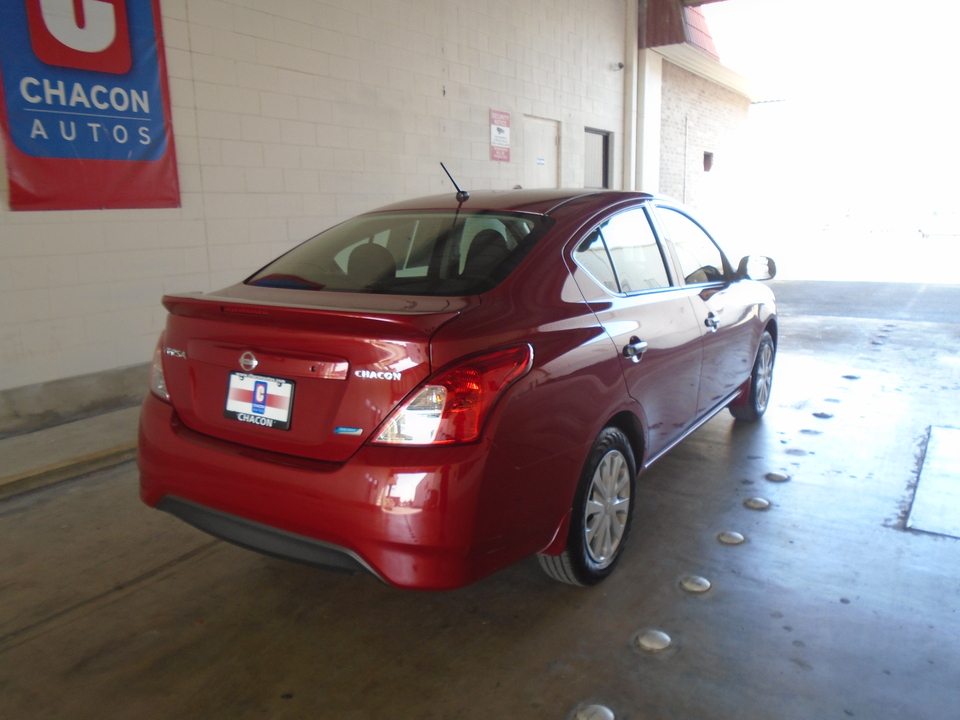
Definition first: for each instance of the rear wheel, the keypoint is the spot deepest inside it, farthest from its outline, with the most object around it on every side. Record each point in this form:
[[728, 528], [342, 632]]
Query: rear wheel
[[602, 511], [761, 382]]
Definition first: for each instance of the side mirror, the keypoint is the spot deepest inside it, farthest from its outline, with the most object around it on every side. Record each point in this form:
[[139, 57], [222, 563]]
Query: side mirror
[[756, 267]]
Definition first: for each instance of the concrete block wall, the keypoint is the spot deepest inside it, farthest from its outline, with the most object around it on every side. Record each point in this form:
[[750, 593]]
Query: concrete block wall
[[289, 116], [699, 116]]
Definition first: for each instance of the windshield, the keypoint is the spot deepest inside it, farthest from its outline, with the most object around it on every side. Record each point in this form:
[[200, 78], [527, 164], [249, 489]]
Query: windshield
[[409, 253]]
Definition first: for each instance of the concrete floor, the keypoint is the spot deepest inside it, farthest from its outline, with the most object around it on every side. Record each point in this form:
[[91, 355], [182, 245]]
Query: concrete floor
[[830, 609]]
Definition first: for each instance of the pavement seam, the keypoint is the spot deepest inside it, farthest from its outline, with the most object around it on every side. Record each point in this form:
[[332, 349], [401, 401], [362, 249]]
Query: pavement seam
[[65, 469], [7, 641]]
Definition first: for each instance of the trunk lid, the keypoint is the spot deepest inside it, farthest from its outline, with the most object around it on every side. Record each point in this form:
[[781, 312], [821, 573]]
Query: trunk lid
[[304, 373]]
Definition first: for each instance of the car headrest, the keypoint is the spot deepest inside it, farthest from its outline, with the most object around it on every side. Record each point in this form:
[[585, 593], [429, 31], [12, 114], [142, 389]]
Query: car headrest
[[487, 250], [370, 263]]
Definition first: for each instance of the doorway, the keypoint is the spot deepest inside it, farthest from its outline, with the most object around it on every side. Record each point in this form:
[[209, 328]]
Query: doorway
[[541, 152]]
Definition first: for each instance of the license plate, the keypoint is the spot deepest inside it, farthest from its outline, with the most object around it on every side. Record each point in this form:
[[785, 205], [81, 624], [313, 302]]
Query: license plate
[[259, 400]]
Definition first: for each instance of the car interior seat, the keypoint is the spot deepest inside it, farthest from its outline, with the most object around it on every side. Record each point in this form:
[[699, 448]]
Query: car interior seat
[[487, 250], [370, 263]]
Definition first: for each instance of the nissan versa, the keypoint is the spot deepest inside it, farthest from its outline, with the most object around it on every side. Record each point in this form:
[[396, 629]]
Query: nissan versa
[[437, 389]]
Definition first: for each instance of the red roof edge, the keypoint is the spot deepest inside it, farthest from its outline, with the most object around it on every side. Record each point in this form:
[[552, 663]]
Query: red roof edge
[[698, 34], [669, 22]]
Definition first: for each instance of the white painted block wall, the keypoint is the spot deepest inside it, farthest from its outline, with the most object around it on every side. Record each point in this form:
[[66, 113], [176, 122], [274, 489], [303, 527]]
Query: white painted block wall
[[289, 116]]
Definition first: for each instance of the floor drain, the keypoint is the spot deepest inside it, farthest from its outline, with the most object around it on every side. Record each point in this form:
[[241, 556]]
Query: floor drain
[[730, 538], [653, 641], [695, 584], [594, 712]]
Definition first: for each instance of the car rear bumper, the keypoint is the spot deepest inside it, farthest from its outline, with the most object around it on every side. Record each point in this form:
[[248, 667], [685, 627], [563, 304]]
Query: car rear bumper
[[264, 539], [407, 515]]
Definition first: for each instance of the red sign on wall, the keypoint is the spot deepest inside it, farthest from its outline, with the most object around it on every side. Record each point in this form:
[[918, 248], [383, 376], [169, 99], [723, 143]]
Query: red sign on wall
[[85, 105], [499, 136]]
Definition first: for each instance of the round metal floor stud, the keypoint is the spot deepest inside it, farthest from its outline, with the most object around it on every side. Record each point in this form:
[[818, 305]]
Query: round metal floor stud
[[730, 538], [653, 640], [757, 503], [594, 712], [695, 584], [777, 477], [823, 415]]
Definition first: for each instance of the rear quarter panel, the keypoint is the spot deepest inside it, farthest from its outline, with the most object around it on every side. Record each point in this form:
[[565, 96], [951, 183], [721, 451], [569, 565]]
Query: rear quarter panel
[[544, 425]]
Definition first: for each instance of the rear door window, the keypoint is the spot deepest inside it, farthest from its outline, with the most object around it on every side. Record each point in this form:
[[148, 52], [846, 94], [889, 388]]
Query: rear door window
[[623, 254], [592, 256]]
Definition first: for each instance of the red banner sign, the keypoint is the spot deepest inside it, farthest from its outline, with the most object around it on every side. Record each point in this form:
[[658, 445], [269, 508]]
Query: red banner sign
[[85, 105]]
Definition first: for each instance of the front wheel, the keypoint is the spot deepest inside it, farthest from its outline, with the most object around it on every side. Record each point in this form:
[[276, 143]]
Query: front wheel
[[602, 511], [761, 381]]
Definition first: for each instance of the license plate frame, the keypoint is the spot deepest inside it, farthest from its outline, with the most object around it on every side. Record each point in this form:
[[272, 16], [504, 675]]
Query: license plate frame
[[260, 400]]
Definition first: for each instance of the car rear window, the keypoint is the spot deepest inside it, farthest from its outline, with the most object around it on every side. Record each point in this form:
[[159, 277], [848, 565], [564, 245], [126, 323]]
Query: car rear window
[[409, 253]]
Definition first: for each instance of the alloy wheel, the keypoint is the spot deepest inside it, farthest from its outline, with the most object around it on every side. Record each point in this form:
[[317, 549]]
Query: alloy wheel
[[764, 376]]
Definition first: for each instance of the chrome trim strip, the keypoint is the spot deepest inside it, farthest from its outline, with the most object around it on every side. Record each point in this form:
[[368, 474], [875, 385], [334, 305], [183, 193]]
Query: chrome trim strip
[[700, 423]]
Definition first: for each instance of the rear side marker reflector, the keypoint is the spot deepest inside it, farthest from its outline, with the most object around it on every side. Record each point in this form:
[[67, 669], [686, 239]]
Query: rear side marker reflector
[[453, 405]]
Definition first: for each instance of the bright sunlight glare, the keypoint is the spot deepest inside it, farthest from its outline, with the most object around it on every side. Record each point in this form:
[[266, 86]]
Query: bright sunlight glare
[[855, 155]]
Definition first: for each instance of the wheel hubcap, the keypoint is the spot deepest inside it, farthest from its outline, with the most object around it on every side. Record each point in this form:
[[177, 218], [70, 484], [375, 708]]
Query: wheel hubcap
[[764, 376], [608, 503]]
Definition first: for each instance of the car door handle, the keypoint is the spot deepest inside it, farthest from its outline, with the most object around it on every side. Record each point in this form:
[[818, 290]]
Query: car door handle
[[712, 322], [634, 348]]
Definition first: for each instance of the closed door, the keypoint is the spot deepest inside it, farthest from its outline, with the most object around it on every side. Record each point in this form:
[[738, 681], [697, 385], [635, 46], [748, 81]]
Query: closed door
[[725, 310], [621, 273], [541, 153]]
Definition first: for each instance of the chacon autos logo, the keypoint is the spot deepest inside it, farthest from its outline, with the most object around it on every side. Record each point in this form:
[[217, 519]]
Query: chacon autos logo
[[374, 375], [88, 35], [82, 79]]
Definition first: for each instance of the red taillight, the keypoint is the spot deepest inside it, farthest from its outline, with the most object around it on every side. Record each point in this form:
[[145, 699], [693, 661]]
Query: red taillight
[[452, 406]]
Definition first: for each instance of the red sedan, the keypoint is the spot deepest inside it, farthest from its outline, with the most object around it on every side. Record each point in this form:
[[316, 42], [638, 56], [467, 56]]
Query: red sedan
[[437, 389]]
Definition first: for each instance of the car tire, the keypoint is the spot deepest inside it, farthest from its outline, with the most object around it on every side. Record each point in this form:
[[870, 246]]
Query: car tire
[[602, 513], [761, 382]]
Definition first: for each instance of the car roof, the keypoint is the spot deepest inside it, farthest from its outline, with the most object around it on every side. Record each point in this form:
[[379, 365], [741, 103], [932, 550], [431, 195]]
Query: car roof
[[541, 201]]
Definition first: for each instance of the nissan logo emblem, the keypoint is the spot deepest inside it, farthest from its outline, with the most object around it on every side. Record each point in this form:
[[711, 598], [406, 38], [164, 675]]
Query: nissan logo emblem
[[248, 361]]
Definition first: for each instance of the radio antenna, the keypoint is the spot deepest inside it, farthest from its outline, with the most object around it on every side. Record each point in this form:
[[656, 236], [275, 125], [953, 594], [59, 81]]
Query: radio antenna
[[462, 195]]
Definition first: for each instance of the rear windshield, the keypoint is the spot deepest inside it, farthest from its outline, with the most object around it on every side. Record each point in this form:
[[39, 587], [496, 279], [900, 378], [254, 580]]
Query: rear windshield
[[409, 253]]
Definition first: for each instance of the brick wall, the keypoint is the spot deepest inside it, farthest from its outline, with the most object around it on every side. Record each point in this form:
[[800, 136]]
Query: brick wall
[[289, 116], [699, 116]]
